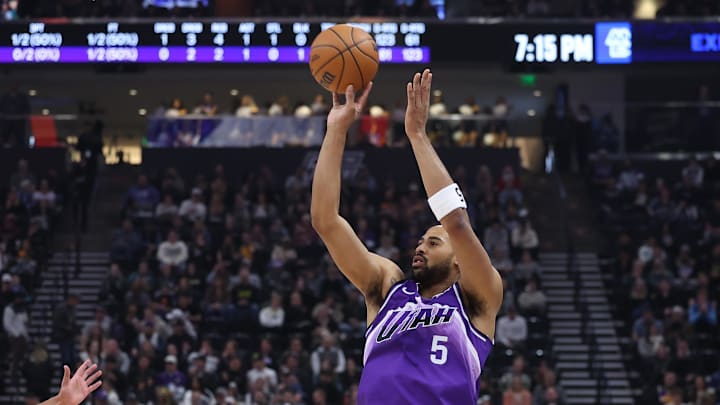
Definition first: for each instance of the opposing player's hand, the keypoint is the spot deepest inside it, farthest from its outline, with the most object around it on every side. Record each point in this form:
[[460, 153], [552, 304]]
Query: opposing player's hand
[[86, 380], [342, 116], [418, 104]]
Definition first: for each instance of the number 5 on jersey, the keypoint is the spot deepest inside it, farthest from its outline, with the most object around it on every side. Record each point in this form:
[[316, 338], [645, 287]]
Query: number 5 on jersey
[[439, 350]]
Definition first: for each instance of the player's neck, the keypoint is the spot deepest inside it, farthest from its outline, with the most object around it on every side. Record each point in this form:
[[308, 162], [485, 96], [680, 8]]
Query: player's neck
[[435, 289]]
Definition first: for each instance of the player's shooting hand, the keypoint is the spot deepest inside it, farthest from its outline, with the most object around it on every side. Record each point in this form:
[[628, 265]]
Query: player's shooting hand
[[418, 104], [86, 380], [342, 116]]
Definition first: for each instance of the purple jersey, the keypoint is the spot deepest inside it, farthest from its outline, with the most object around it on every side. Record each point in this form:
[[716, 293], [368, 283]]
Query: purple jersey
[[422, 351]]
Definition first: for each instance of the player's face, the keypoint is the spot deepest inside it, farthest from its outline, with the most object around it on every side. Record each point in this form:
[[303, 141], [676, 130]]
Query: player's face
[[433, 259]]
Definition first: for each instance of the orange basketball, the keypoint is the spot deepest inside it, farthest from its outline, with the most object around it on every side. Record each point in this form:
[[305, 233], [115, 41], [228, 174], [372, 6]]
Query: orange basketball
[[343, 55]]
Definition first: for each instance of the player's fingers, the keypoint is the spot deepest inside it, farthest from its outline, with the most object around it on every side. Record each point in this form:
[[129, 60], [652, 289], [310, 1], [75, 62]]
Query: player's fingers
[[82, 368], [95, 386], [349, 94], [410, 95], [66, 375], [336, 99], [89, 370], [427, 86], [365, 94], [94, 377], [417, 87]]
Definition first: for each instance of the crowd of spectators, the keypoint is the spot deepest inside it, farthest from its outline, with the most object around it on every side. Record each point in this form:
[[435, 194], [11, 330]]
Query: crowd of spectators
[[382, 125], [666, 227], [31, 206], [221, 292]]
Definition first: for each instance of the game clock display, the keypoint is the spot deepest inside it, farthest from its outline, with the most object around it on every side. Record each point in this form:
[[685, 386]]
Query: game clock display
[[193, 42], [553, 48]]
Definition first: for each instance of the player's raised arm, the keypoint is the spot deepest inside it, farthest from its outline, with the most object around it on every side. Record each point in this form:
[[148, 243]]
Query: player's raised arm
[[367, 271], [478, 277]]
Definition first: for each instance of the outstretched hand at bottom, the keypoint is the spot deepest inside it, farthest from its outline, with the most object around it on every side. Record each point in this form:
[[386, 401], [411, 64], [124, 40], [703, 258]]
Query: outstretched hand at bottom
[[86, 380]]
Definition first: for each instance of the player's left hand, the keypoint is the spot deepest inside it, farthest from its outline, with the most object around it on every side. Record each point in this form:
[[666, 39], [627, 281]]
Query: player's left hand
[[86, 380], [342, 116], [418, 104]]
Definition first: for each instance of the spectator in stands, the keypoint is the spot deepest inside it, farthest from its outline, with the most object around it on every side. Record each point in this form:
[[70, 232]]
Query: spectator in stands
[[272, 317], [702, 313], [319, 106], [259, 372], [668, 390], [126, 244], [172, 378], [15, 324], [64, 328], [207, 106], [21, 174], [330, 353], [629, 178], [101, 323], [142, 198], [527, 267], [279, 107], [173, 184], [38, 371], [173, 251], [508, 186], [166, 209], [517, 370], [193, 209], [701, 393], [694, 172], [496, 237], [524, 236], [499, 123], [642, 326], [177, 109], [648, 346], [607, 134], [44, 194], [512, 330], [517, 394], [532, 301], [387, 249], [247, 107], [547, 392]]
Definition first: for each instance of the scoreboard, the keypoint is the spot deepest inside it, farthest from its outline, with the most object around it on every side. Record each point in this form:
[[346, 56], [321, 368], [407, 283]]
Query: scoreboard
[[505, 42], [193, 42]]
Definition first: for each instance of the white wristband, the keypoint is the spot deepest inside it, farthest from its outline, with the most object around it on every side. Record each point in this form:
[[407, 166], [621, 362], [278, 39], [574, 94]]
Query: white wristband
[[446, 200]]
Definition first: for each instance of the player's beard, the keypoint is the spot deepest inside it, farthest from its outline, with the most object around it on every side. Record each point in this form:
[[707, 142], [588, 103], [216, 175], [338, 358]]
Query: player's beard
[[427, 276]]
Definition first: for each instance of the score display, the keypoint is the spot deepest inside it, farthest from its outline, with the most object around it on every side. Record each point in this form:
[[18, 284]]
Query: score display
[[508, 43], [194, 42]]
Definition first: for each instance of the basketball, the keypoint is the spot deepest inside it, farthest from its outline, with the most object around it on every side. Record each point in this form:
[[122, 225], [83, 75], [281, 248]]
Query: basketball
[[343, 55]]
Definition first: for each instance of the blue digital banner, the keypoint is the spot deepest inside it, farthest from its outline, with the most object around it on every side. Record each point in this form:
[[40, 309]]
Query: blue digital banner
[[677, 42]]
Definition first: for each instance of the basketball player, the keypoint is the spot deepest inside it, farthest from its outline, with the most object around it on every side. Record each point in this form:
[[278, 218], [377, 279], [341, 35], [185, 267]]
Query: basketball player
[[74, 390], [429, 334]]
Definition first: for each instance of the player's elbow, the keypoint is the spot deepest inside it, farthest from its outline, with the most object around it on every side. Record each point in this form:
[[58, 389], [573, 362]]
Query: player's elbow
[[321, 221], [456, 221]]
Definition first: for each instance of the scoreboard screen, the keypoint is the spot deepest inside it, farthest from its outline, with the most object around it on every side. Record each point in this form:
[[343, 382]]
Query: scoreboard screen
[[504, 42], [193, 42]]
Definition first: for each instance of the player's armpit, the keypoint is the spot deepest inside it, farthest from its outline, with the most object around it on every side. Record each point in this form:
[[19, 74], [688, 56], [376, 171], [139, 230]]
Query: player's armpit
[[370, 273], [478, 277]]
